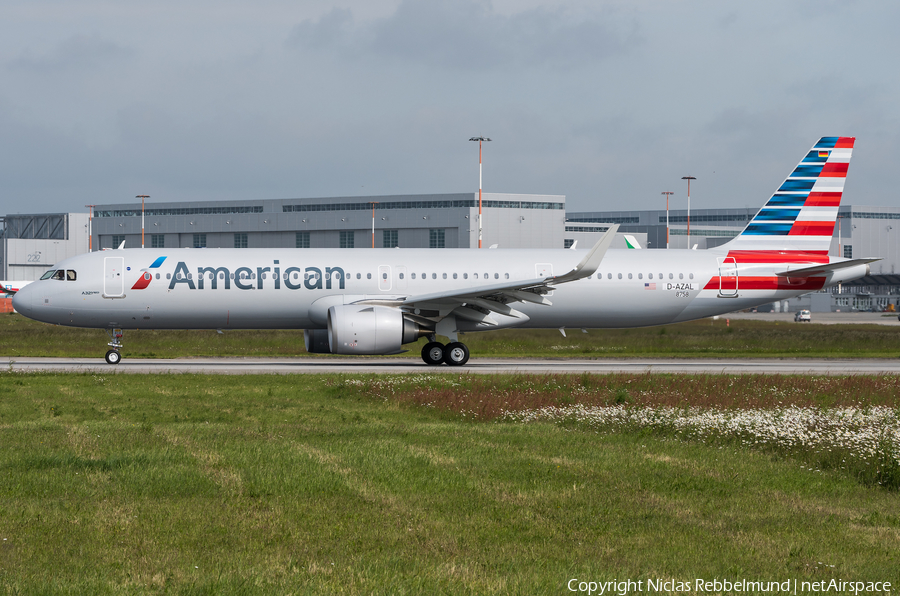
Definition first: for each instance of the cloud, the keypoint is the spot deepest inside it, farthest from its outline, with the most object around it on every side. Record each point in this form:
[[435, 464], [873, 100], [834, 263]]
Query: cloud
[[466, 35], [75, 53]]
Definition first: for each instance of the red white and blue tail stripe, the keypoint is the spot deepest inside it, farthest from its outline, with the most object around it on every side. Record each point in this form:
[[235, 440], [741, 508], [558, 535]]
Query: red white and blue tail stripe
[[802, 213]]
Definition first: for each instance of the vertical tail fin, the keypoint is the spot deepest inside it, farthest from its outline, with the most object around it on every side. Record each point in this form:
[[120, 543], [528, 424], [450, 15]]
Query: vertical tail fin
[[801, 214]]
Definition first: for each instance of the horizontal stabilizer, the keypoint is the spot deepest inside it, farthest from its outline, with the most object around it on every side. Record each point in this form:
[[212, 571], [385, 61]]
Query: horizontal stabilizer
[[825, 268]]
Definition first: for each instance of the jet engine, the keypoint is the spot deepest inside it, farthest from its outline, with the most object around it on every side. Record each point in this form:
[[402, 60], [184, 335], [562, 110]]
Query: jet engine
[[359, 329], [316, 341]]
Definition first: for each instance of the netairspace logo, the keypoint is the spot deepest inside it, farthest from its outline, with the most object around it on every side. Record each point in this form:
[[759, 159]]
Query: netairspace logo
[[723, 586]]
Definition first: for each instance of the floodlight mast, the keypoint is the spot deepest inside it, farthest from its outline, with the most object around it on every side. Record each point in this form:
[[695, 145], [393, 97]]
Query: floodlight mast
[[373, 203], [480, 141], [689, 178], [90, 231], [142, 197]]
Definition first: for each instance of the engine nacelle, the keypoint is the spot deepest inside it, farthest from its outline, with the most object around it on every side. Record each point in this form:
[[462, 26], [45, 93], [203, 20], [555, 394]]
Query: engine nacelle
[[316, 341], [358, 329]]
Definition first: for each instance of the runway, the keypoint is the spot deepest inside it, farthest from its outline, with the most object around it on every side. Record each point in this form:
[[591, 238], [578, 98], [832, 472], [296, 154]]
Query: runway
[[380, 365]]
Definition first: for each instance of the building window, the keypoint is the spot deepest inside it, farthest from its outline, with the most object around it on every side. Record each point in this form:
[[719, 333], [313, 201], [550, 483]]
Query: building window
[[848, 251], [240, 240], [346, 240], [436, 238], [117, 240], [568, 242], [302, 239], [199, 240], [157, 241], [391, 239]]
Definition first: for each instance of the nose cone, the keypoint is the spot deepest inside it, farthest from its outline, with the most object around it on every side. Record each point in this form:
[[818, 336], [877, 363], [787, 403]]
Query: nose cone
[[22, 301]]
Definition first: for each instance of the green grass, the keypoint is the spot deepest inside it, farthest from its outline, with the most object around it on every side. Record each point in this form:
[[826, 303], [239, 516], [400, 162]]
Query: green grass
[[706, 338], [195, 484]]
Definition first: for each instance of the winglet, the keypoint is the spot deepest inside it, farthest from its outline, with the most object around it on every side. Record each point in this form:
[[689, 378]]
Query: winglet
[[591, 261]]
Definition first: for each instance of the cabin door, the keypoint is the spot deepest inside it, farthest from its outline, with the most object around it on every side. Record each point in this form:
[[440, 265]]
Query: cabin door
[[728, 278], [113, 277]]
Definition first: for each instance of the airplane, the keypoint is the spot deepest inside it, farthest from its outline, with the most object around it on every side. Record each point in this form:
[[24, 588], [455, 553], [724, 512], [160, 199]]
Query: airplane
[[374, 301]]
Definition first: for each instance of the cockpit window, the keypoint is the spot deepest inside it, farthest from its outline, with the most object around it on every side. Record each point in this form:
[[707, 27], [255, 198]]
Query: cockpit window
[[60, 275], [49, 274], [70, 274]]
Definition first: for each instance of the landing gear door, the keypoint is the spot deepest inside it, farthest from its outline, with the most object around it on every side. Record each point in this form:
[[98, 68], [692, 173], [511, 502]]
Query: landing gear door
[[113, 277], [728, 278]]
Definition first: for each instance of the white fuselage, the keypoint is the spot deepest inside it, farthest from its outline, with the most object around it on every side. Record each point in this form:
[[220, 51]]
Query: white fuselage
[[238, 289]]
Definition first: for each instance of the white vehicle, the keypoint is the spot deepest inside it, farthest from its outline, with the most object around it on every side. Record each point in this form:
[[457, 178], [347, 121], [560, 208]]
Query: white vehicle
[[802, 316], [373, 301]]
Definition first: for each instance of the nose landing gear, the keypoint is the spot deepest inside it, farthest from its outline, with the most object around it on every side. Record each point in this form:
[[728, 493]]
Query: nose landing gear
[[113, 356]]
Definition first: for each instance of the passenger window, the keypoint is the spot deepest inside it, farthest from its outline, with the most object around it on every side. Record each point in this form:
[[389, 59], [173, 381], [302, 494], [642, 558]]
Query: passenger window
[[445, 276], [368, 276], [486, 276], [465, 276], [629, 276], [434, 276], [609, 276], [681, 276], [620, 276], [649, 276], [691, 276], [454, 276], [660, 276], [384, 276], [157, 275], [640, 276], [401, 276], [168, 276], [496, 276], [413, 275], [70, 274], [359, 275], [507, 275], [671, 276], [49, 274]]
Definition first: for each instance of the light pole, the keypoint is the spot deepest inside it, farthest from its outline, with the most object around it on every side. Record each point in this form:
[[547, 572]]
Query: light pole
[[689, 178], [668, 194], [142, 197], [90, 217], [480, 141], [373, 203]]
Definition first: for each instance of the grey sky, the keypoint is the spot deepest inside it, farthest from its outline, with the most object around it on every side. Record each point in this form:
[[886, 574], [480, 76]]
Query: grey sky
[[609, 103]]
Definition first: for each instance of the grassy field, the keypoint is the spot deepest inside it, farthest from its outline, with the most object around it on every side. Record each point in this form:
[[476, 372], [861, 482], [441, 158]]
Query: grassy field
[[192, 484], [22, 337]]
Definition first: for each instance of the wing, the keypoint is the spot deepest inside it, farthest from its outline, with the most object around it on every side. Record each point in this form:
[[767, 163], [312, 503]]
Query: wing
[[9, 291], [479, 303]]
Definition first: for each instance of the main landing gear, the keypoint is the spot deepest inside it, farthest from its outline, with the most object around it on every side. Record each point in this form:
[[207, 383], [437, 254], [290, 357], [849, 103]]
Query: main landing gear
[[454, 354], [113, 356]]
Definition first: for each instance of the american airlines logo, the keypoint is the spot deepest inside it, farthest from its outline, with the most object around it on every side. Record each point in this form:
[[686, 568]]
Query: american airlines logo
[[144, 280], [246, 278]]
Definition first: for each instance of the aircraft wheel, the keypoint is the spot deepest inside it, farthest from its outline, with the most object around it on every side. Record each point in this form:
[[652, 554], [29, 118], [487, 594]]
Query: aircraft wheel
[[456, 354], [433, 353], [113, 357]]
